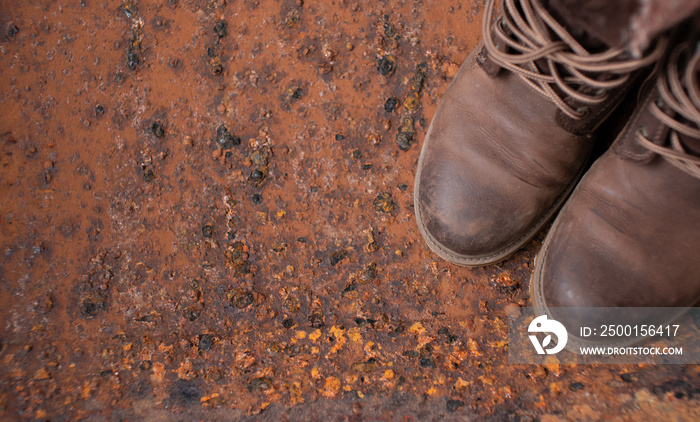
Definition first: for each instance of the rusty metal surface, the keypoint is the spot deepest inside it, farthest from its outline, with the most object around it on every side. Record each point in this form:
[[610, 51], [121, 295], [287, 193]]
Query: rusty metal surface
[[206, 213]]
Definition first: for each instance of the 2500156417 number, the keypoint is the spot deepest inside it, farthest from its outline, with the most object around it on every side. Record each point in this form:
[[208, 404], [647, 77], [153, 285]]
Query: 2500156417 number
[[638, 330]]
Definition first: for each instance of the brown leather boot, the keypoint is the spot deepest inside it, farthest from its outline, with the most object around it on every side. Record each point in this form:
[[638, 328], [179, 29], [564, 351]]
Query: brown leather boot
[[513, 133], [629, 236]]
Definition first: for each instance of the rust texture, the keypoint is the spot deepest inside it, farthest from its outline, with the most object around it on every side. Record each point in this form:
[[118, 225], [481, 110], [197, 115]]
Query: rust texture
[[207, 214]]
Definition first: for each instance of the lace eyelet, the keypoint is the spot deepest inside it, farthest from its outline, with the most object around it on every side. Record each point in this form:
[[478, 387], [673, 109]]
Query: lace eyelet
[[642, 131], [583, 111]]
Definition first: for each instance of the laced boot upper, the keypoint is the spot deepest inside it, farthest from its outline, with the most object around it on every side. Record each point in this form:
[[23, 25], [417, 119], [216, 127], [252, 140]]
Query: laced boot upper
[[513, 133], [584, 85], [677, 111], [630, 232]]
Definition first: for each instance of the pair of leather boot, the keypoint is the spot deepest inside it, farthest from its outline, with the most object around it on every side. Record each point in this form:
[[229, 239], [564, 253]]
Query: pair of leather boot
[[512, 138]]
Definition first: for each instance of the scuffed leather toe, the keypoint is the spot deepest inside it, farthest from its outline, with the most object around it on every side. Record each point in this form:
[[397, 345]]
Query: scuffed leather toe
[[471, 215], [494, 167]]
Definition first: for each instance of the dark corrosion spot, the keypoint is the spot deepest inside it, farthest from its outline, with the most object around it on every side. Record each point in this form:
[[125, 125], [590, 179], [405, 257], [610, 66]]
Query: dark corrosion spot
[[129, 8], [352, 287], [206, 341], [366, 166], [220, 28], [626, 377], [146, 318], [12, 30], [369, 273], [453, 405], [680, 389], [208, 231], [288, 323], [316, 320], [257, 175], [217, 69], [145, 365], [406, 134], [88, 308], [185, 391], [148, 174], [99, 110], [449, 337], [91, 304], [214, 373], [427, 362], [384, 203], [338, 256], [396, 332], [133, 59], [237, 257], [259, 384], [225, 138], [356, 154], [298, 93], [390, 104], [386, 65], [389, 30], [142, 388], [292, 350], [404, 140], [241, 298], [257, 198], [191, 314], [303, 239], [211, 52], [158, 129], [339, 137], [403, 186], [575, 386]]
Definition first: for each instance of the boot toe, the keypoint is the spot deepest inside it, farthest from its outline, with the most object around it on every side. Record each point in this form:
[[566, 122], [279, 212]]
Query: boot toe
[[494, 167], [466, 214]]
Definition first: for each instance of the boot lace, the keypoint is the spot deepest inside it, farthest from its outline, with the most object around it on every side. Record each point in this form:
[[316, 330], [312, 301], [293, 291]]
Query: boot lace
[[566, 68], [680, 92]]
